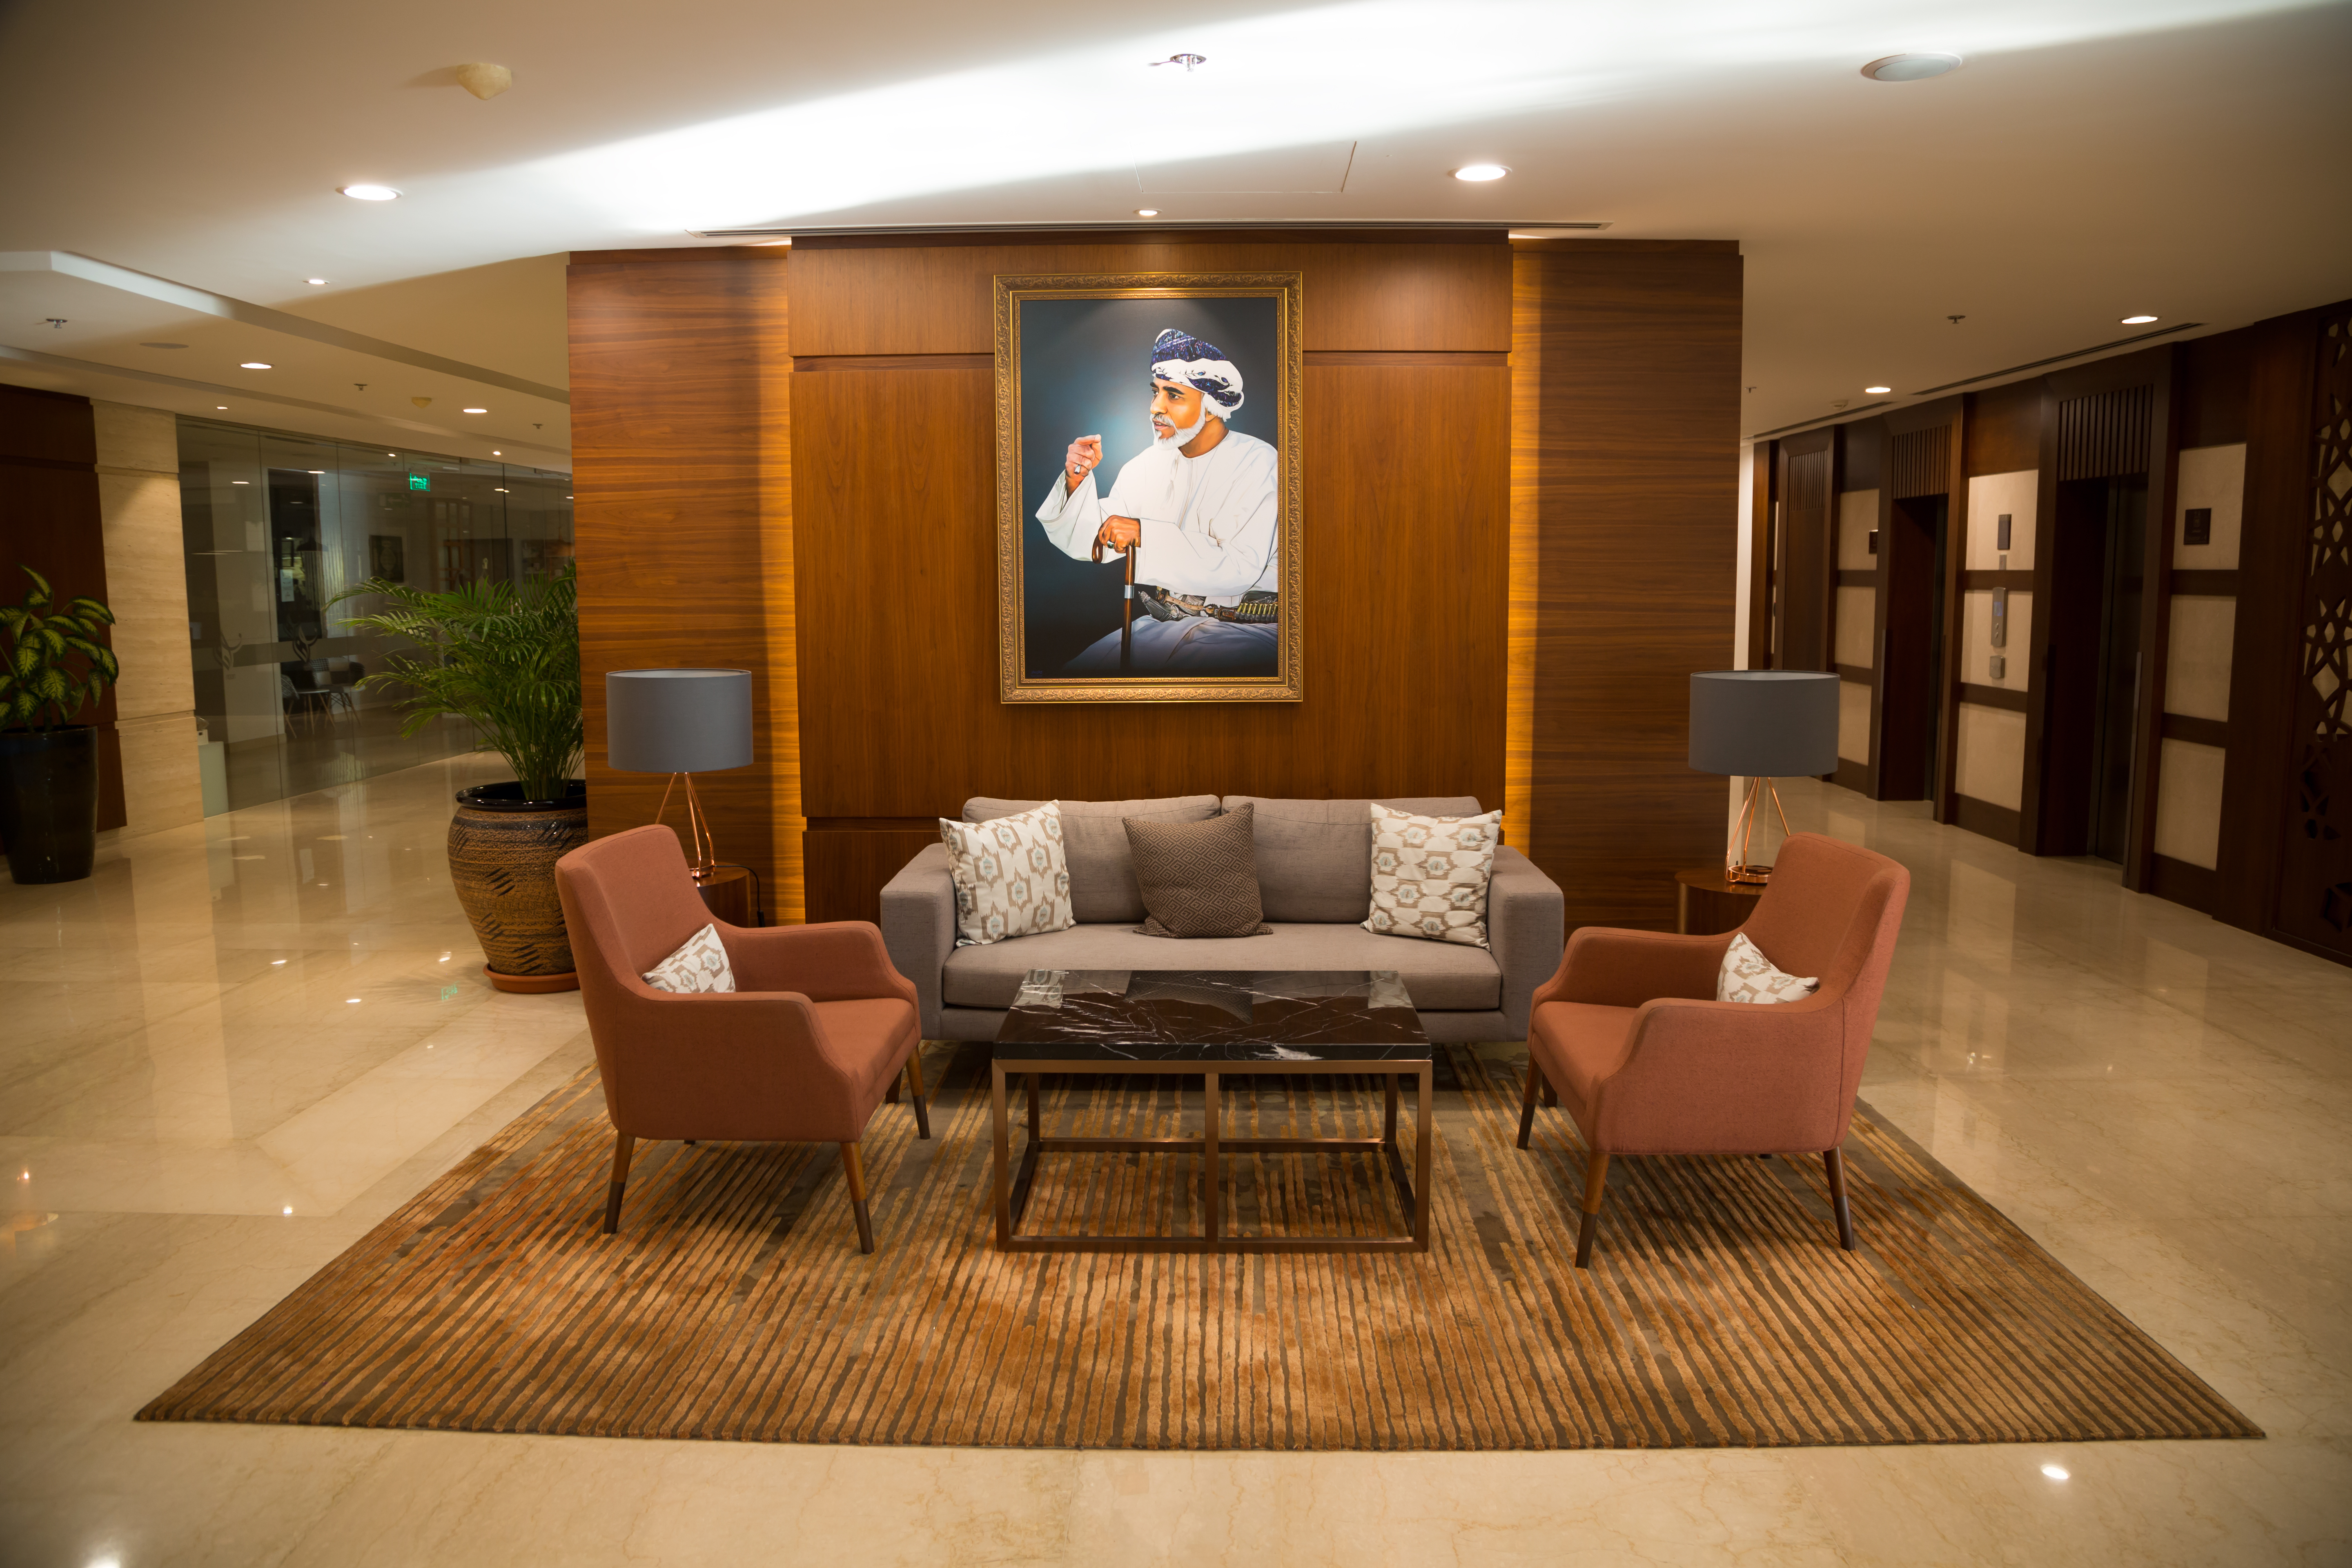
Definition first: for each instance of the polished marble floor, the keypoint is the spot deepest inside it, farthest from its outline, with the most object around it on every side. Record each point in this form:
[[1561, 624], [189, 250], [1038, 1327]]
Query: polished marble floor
[[239, 1044]]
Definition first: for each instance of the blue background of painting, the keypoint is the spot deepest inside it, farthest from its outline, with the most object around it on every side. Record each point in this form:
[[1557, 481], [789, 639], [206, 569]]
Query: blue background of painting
[[1085, 369]]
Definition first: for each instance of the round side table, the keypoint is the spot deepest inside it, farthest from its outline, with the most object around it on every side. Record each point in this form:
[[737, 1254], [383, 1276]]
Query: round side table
[[1707, 904]]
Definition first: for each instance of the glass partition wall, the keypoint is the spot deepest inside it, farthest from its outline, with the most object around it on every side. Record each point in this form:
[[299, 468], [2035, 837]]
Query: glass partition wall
[[276, 525]]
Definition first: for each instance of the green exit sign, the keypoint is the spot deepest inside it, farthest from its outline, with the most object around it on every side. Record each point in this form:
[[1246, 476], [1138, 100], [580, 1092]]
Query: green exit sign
[[420, 481]]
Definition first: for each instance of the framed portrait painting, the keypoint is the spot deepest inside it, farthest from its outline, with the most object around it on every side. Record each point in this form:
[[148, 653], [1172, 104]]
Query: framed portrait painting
[[1148, 481]]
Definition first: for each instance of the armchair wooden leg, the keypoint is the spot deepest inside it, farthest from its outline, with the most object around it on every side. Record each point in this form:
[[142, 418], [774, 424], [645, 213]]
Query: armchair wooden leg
[[1550, 1095], [890, 1095], [623, 1145], [1528, 1100], [1836, 1160], [855, 1164], [915, 1089], [1596, 1184]]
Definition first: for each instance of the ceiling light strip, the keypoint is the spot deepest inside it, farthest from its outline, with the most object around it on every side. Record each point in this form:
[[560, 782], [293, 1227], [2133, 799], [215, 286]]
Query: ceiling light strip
[[90, 269], [1114, 226], [1824, 419], [91, 367], [2060, 359]]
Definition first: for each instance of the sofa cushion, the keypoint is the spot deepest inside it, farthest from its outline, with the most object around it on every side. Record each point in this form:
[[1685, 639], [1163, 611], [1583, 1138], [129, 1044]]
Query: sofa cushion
[[1102, 871], [1430, 874], [1199, 879], [1012, 877], [1440, 977], [1315, 856]]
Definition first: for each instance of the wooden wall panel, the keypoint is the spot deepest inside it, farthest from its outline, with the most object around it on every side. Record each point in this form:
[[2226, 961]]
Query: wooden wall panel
[[679, 401], [1405, 613], [1808, 551], [2004, 428], [49, 520], [1428, 295], [1633, 439]]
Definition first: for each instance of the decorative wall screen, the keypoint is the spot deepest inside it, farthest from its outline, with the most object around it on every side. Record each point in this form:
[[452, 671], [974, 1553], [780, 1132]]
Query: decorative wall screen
[[2105, 434], [2315, 870]]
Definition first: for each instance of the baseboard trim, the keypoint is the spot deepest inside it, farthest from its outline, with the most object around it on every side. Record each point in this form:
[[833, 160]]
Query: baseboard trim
[[2198, 887], [1982, 816]]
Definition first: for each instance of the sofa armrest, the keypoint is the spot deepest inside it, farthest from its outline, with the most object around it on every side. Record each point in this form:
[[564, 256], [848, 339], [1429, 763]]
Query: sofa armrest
[[1524, 910], [835, 960], [919, 927], [1612, 968]]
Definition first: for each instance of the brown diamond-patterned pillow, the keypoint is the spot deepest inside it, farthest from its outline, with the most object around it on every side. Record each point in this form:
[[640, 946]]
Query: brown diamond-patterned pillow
[[1199, 879]]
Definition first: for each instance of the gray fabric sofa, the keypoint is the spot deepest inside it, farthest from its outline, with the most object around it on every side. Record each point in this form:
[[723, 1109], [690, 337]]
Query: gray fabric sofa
[[1314, 869]]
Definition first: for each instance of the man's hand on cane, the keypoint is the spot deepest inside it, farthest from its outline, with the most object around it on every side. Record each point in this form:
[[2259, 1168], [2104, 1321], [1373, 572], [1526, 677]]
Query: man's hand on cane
[[1119, 532], [1083, 455]]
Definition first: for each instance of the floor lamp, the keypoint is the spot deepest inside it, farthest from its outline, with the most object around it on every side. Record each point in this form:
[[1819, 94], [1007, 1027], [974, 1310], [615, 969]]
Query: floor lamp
[[1760, 725], [680, 722]]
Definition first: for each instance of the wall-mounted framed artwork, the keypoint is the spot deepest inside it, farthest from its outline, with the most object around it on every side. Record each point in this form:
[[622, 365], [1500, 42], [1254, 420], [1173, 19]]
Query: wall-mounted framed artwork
[[1148, 484], [388, 557]]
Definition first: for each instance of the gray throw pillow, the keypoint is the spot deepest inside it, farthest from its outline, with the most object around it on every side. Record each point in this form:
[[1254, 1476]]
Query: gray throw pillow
[[1199, 879]]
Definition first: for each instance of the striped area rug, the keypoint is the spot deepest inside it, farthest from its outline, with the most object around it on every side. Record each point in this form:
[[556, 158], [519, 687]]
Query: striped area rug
[[734, 1303]]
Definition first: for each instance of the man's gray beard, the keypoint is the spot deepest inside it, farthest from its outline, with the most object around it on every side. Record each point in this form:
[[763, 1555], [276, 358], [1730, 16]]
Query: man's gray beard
[[1184, 438]]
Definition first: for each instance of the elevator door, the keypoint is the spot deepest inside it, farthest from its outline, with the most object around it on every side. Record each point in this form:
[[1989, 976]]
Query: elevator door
[[2116, 724]]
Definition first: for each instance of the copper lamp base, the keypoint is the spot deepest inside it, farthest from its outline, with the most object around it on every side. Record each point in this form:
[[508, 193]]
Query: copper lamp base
[[704, 852], [1737, 866]]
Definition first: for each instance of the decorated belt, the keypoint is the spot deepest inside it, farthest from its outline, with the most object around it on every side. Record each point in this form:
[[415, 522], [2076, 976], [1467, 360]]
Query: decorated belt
[[1255, 608]]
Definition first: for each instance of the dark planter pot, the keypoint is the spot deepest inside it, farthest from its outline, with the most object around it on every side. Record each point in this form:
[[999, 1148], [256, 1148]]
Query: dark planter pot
[[48, 802], [502, 855]]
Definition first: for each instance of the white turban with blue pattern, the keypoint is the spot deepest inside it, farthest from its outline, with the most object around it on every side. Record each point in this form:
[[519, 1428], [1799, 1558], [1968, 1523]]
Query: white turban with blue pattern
[[1184, 358]]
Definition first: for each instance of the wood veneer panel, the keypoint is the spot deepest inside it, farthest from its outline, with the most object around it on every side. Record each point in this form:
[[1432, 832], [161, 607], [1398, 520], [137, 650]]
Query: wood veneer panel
[[1630, 444], [846, 870], [914, 300], [1407, 560], [683, 523], [2004, 428]]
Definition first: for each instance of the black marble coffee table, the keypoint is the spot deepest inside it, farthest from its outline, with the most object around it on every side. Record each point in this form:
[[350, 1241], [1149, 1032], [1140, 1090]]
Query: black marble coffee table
[[1218, 1024]]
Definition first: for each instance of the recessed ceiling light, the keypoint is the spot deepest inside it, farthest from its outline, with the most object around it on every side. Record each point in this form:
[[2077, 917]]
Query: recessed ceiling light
[[497, 454], [2055, 1472], [241, 481], [370, 192], [318, 471], [162, 345], [220, 407], [1911, 68], [254, 364], [316, 281], [2137, 321], [1146, 212], [1877, 389], [474, 411], [1479, 172]]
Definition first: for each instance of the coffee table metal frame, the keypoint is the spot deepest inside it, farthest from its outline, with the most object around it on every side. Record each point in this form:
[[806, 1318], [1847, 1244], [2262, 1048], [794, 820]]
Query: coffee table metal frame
[[1013, 1188]]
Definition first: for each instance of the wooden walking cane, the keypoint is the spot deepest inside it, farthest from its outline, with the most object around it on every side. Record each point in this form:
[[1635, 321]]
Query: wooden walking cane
[[1127, 616]]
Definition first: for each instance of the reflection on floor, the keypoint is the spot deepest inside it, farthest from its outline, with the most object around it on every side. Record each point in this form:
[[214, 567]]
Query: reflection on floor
[[239, 1044], [323, 746]]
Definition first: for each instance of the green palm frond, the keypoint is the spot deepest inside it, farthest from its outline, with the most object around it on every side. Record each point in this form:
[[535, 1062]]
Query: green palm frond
[[505, 658]]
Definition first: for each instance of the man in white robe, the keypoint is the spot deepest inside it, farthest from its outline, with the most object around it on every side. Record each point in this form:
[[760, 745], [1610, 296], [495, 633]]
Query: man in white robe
[[1201, 505]]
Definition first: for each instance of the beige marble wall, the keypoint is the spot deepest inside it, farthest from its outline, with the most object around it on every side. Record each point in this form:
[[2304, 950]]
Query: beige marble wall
[[1857, 515], [1977, 652], [147, 588], [1990, 764], [2188, 802], [1989, 495], [1857, 629], [1854, 721], [2197, 668], [2211, 476]]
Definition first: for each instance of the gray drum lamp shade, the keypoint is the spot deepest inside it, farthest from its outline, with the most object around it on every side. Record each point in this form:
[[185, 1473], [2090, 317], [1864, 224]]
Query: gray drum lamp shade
[[1764, 724], [678, 721]]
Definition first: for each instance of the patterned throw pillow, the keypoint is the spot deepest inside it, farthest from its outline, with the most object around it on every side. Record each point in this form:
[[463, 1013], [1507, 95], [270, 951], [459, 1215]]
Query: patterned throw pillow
[[1012, 878], [1199, 879], [1749, 976], [1430, 874], [699, 965]]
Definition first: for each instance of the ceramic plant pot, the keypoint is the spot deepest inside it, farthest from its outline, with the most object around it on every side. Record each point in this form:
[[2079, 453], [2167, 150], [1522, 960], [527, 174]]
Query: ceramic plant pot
[[48, 802], [502, 855]]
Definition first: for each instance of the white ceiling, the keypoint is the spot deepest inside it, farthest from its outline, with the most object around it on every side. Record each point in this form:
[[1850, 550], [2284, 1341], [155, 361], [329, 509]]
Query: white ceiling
[[2186, 158]]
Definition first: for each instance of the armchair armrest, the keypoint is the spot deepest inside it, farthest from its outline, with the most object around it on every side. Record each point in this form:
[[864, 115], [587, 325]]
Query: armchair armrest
[[742, 1064], [1612, 968], [1524, 910], [837, 961], [919, 927]]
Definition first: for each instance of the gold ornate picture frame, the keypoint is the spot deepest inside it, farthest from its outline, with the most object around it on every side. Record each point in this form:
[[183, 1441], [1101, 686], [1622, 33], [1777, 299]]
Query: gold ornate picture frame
[[1140, 569]]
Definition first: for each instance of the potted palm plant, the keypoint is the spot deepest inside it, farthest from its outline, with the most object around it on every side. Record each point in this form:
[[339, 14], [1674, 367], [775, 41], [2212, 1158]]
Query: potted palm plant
[[55, 667], [506, 660]]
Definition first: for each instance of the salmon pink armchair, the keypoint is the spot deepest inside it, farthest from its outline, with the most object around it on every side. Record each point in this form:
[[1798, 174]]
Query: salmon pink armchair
[[804, 1051], [1629, 1038]]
